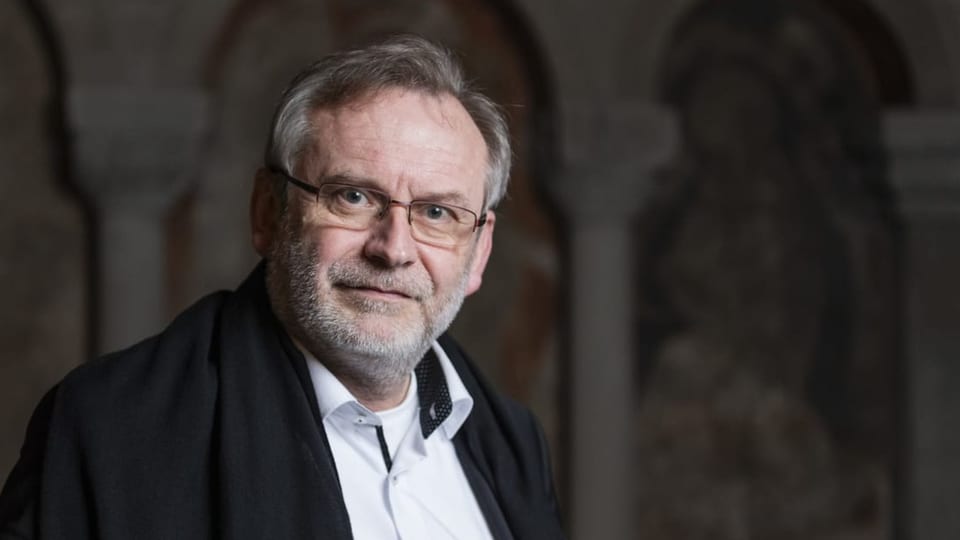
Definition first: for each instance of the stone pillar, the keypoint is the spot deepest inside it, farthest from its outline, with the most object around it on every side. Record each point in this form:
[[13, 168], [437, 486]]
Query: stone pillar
[[612, 151], [924, 149], [135, 149]]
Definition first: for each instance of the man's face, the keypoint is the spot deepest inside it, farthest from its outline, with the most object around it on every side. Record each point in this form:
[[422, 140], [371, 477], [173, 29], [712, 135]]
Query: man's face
[[376, 298]]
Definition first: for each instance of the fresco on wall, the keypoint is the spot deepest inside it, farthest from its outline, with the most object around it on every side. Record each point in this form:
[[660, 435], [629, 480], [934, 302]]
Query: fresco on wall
[[770, 286]]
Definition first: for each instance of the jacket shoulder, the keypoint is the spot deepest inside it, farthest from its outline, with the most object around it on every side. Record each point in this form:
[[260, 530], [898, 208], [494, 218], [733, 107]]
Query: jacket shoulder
[[156, 365]]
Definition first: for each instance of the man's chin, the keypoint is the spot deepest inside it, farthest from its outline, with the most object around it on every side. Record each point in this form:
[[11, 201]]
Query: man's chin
[[386, 347], [374, 329]]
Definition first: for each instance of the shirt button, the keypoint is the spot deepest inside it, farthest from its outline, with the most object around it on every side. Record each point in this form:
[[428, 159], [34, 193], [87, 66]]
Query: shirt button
[[396, 479]]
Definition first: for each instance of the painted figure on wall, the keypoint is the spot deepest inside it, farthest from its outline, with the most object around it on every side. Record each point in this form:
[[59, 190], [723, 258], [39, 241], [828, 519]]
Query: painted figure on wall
[[771, 283]]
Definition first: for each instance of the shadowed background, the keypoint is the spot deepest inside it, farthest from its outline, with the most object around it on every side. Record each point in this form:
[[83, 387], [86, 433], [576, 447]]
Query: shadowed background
[[723, 279]]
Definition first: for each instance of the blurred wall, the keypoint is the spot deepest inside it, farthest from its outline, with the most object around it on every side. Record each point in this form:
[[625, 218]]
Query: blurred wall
[[723, 279], [43, 233]]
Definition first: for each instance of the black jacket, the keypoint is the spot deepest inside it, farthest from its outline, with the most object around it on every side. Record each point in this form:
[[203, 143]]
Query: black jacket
[[211, 430]]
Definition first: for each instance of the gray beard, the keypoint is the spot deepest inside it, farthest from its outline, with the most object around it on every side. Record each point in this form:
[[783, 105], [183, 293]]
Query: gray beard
[[364, 362]]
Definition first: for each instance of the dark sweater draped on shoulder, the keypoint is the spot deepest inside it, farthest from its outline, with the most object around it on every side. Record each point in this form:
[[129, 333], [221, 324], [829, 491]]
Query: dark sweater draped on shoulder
[[211, 430]]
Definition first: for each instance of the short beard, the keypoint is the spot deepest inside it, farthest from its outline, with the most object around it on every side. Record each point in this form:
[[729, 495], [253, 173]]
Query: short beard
[[370, 365]]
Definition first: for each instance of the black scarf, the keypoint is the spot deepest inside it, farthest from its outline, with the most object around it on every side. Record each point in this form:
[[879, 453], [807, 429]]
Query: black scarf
[[211, 430]]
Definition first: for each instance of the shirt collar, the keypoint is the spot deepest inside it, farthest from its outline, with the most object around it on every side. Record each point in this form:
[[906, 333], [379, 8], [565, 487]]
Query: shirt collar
[[462, 401], [331, 393], [444, 400]]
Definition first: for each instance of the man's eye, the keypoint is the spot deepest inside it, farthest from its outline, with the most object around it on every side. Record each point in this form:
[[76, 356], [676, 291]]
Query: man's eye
[[353, 196], [435, 212]]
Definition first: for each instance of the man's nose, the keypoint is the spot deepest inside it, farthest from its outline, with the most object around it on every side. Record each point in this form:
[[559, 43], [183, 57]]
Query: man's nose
[[391, 242]]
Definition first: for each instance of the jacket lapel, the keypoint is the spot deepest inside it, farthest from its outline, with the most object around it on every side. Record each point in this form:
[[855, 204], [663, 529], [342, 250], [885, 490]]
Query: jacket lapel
[[276, 475]]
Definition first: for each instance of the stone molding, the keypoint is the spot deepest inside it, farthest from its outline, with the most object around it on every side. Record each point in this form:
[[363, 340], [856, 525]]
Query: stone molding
[[924, 153]]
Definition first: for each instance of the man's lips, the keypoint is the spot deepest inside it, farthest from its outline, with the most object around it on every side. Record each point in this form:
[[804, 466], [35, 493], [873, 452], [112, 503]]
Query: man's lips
[[375, 291]]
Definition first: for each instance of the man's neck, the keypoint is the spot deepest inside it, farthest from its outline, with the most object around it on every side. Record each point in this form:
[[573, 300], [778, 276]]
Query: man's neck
[[382, 398], [376, 396]]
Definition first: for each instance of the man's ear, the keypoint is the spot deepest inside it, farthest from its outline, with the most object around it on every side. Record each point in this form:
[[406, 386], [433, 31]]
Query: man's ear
[[264, 212], [482, 254]]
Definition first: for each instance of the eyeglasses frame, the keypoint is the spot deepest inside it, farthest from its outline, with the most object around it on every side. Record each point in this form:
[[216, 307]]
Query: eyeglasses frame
[[478, 220]]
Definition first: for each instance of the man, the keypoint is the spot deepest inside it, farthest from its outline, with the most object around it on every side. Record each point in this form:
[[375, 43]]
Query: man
[[321, 399]]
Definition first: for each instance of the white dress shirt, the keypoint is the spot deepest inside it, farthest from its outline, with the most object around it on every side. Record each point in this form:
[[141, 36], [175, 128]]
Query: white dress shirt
[[425, 494]]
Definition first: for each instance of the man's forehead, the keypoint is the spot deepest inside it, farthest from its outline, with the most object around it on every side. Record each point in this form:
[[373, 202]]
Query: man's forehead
[[429, 134], [443, 108]]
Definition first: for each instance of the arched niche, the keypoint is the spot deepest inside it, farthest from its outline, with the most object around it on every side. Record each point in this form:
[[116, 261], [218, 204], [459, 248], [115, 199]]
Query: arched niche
[[43, 231], [923, 34], [770, 282], [510, 325]]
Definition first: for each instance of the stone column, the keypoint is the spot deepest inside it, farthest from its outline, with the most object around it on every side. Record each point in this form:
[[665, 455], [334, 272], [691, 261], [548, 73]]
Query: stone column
[[135, 149], [612, 151], [924, 148]]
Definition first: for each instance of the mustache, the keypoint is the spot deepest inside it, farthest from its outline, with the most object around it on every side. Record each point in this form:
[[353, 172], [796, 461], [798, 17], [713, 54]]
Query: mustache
[[354, 274]]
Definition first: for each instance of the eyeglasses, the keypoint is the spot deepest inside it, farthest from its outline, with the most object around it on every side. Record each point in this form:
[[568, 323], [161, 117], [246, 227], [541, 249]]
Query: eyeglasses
[[358, 208]]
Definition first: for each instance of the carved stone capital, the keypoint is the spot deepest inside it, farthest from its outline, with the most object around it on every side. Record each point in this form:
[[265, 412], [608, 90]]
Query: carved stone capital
[[135, 147], [612, 149]]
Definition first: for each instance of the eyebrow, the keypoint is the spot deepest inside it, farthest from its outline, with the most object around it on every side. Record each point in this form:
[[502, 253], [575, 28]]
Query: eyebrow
[[449, 197]]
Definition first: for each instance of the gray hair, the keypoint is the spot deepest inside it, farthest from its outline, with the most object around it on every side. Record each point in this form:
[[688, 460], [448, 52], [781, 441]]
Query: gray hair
[[407, 62]]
